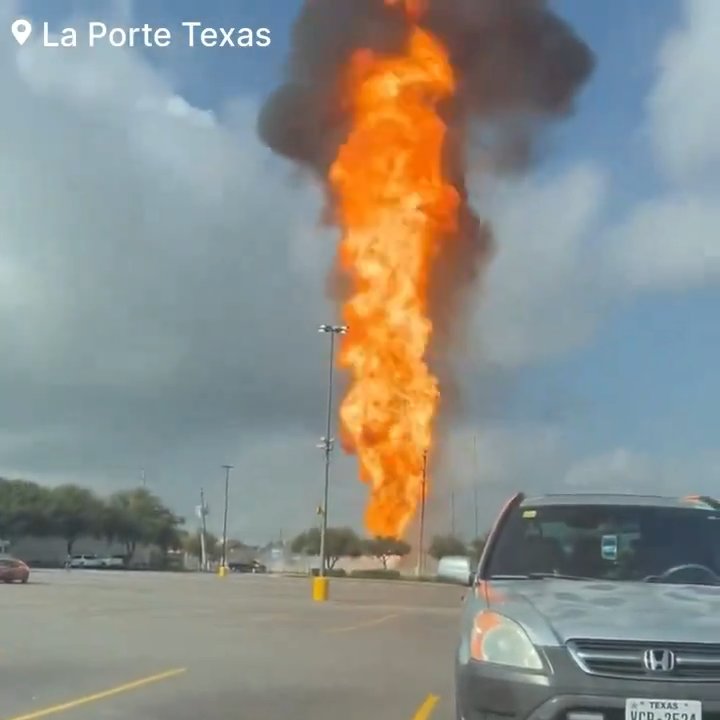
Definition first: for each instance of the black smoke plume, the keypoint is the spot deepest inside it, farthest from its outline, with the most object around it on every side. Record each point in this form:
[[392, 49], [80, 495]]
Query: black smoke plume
[[518, 66]]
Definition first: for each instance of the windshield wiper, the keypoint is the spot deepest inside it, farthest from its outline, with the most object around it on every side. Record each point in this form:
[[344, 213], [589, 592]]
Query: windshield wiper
[[558, 576], [659, 580], [540, 576]]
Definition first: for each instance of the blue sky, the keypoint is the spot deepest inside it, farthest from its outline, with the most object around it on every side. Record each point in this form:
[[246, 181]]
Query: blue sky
[[633, 373], [648, 378]]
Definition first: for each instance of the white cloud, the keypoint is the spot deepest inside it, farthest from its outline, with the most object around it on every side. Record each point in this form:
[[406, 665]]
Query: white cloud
[[551, 279], [669, 243], [151, 294], [119, 202], [161, 279], [684, 105], [625, 470], [541, 292], [616, 471], [505, 456], [537, 459], [490, 462]]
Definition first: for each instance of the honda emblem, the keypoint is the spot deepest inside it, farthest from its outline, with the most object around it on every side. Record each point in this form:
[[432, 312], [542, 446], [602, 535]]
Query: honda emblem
[[659, 660]]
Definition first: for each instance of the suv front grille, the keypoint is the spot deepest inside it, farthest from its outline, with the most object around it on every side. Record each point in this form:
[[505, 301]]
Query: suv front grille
[[624, 658]]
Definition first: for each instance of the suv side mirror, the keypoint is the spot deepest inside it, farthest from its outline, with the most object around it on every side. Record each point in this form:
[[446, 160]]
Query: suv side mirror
[[457, 569]]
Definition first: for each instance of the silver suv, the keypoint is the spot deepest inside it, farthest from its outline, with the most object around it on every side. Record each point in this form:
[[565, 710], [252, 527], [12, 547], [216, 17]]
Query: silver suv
[[594, 607]]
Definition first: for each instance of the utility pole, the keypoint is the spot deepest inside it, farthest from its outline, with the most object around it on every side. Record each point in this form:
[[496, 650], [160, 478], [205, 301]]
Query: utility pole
[[421, 552], [452, 512], [327, 442], [475, 486], [203, 532], [227, 468], [142, 477]]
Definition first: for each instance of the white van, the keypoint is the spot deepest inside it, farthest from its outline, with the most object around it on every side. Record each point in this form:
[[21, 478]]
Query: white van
[[456, 568], [85, 561]]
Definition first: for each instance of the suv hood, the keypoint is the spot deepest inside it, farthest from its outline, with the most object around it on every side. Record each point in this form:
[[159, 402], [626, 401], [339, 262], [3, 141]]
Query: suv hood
[[554, 611]]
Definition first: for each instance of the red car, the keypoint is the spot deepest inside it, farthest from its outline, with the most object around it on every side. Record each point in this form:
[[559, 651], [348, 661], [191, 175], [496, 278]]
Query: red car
[[12, 570]]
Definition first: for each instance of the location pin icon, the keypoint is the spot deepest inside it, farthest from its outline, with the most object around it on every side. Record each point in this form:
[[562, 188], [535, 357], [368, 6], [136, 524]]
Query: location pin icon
[[21, 30]]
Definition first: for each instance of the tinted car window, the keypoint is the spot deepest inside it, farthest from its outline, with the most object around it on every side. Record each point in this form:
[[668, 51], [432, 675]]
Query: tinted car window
[[610, 542]]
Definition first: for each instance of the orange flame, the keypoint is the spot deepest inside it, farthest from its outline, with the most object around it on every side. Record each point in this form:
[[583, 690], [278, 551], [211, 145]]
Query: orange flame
[[395, 208]]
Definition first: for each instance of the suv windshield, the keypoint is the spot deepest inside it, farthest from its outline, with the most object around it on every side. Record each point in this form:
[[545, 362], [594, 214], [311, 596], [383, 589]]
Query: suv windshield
[[610, 542]]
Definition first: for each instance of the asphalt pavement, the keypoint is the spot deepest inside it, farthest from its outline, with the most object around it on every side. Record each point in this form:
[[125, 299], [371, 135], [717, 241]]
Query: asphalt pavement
[[104, 645]]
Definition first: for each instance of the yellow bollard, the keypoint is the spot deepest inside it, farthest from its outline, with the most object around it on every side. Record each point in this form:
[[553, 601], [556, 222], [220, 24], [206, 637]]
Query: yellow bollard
[[222, 571], [320, 589]]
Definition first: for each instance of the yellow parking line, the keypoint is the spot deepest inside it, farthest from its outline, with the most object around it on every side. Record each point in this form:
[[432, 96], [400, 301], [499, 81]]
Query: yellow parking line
[[360, 626], [55, 709], [425, 710]]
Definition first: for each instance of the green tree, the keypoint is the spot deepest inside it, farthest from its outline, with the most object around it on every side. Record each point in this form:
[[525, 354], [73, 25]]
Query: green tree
[[384, 548], [119, 524], [301, 542], [447, 545], [193, 546], [339, 542], [73, 513], [23, 509], [137, 516], [476, 548], [164, 530]]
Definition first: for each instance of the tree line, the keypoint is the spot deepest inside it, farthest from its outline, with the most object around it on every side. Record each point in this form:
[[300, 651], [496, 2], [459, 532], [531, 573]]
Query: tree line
[[345, 542], [138, 517], [131, 517]]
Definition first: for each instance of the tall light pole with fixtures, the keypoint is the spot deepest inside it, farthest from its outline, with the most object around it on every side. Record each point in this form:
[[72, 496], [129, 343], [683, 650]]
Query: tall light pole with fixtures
[[421, 553], [452, 511], [227, 469], [326, 443], [202, 513]]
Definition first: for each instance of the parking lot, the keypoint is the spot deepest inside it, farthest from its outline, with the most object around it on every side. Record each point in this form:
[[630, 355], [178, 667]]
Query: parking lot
[[107, 645]]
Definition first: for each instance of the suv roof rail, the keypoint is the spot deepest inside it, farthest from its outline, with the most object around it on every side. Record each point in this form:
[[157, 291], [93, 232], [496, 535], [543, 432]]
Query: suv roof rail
[[711, 501], [604, 494]]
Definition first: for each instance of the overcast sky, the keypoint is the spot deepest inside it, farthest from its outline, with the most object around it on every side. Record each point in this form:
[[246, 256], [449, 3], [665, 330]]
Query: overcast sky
[[162, 277]]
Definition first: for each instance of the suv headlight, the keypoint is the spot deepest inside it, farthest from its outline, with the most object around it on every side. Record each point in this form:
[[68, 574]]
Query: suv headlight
[[497, 639]]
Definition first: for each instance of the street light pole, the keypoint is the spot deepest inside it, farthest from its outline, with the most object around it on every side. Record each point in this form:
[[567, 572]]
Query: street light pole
[[421, 556], [327, 441], [228, 468], [452, 512], [203, 532]]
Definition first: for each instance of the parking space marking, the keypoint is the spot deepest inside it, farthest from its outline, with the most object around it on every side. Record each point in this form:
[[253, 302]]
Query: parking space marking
[[362, 625], [427, 707], [96, 697]]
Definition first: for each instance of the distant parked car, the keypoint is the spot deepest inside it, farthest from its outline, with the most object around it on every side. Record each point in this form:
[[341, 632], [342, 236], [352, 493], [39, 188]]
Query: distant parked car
[[86, 561], [113, 561], [13, 570], [247, 567]]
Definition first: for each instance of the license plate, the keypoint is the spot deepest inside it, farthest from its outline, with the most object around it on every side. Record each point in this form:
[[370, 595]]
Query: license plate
[[657, 709]]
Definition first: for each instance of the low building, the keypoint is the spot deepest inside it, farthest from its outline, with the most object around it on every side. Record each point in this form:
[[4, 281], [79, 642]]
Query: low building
[[52, 551]]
